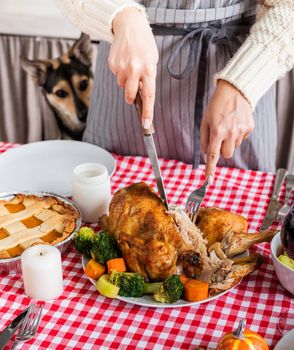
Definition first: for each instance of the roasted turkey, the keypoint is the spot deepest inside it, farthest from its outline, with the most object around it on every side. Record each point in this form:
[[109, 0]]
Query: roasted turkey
[[158, 243], [147, 234]]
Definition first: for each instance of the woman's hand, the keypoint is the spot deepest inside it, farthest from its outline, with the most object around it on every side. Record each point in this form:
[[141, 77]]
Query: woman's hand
[[133, 58], [227, 121]]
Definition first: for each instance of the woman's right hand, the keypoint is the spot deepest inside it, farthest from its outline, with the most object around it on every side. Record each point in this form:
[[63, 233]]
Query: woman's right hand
[[133, 58]]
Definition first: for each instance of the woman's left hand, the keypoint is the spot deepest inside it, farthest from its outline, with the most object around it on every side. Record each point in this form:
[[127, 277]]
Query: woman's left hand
[[227, 121]]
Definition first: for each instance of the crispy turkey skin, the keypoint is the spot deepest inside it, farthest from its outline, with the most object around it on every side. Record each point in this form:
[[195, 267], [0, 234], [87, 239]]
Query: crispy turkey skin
[[146, 234], [216, 222]]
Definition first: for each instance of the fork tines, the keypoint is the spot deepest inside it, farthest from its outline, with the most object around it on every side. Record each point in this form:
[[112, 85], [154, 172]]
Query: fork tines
[[30, 324], [195, 200]]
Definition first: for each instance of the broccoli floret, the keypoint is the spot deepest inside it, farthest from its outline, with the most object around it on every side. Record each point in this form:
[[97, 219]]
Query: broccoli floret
[[170, 291], [83, 240], [131, 284], [104, 248]]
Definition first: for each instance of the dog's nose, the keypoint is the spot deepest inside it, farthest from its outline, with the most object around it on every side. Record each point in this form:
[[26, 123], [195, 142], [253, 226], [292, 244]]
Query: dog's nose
[[82, 115]]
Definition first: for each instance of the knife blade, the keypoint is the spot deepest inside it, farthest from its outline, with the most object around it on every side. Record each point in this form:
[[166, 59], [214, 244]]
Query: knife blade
[[274, 205], [13, 326], [151, 151]]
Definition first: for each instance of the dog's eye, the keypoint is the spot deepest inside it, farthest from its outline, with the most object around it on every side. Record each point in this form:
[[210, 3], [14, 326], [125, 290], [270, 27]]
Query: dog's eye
[[61, 93], [83, 85]]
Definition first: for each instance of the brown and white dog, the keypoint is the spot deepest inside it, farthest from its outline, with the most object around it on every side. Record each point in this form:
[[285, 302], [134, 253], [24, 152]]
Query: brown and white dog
[[67, 83]]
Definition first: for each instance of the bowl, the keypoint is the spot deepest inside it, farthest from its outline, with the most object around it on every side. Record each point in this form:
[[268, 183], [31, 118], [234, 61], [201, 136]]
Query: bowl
[[284, 273], [13, 265]]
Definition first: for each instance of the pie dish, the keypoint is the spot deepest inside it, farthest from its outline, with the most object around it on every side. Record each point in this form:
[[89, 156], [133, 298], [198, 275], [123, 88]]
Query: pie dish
[[30, 219]]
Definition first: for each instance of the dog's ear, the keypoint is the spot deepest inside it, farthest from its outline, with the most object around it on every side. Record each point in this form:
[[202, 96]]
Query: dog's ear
[[82, 49], [36, 68]]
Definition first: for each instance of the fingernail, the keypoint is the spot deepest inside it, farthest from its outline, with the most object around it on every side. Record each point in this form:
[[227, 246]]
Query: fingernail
[[147, 123], [205, 158], [209, 179]]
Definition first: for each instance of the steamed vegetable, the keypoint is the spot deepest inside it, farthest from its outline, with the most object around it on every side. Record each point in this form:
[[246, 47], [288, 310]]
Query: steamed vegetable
[[117, 265], [130, 284], [150, 288], [106, 288], [184, 279], [170, 290], [195, 290], [104, 248], [84, 239], [94, 269]]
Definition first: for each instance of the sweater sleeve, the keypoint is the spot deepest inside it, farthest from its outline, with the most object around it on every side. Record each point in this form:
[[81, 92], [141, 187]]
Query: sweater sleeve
[[94, 17], [266, 55]]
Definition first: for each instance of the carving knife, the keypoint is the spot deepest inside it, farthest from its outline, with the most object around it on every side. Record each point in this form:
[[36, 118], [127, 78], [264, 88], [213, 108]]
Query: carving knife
[[274, 205], [151, 150], [13, 326]]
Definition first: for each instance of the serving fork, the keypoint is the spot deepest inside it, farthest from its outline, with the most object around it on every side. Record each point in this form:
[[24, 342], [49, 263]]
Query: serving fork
[[195, 200], [29, 325]]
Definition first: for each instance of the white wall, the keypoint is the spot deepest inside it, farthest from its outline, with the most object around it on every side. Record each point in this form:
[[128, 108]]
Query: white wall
[[34, 17]]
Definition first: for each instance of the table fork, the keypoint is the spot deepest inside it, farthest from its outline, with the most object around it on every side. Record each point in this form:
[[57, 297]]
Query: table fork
[[289, 188], [194, 201], [29, 325]]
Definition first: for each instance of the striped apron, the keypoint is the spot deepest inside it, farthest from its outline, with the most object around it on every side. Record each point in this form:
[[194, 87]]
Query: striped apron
[[195, 39]]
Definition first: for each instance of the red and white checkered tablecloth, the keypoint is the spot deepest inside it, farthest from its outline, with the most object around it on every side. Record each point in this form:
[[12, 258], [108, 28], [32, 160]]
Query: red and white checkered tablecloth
[[83, 319]]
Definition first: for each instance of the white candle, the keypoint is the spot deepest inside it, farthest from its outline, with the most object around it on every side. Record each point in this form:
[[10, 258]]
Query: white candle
[[42, 272]]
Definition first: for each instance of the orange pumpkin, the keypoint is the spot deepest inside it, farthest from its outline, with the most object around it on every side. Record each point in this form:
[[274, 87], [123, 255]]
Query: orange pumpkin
[[242, 339]]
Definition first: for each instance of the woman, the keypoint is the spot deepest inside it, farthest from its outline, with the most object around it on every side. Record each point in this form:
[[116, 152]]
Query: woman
[[196, 41]]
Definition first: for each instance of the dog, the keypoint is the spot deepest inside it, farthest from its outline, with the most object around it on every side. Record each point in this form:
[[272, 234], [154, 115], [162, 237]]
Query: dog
[[66, 83]]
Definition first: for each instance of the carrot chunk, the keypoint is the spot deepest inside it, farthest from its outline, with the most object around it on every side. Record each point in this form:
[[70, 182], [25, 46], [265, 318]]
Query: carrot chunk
[[184, 279], [94, 269], [195, 290], [117, 265]]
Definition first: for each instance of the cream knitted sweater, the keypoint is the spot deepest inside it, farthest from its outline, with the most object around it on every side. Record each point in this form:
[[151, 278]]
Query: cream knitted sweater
[[266, 55]]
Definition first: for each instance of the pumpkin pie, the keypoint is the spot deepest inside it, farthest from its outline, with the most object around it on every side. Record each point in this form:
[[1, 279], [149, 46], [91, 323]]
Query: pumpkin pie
[[27, 220]]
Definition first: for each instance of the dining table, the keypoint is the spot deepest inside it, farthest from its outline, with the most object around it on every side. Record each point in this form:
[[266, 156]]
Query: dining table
[[81, 318]]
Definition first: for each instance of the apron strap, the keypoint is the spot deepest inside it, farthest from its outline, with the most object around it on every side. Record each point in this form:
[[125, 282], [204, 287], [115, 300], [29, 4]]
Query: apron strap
[[200, 40]]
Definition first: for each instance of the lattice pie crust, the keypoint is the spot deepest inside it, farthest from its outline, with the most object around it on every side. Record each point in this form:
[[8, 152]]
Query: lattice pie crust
[[26, 220]]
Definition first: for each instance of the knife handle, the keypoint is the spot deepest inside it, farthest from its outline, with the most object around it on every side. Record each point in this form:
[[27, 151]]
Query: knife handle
[[280, 177], [139, 108]]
